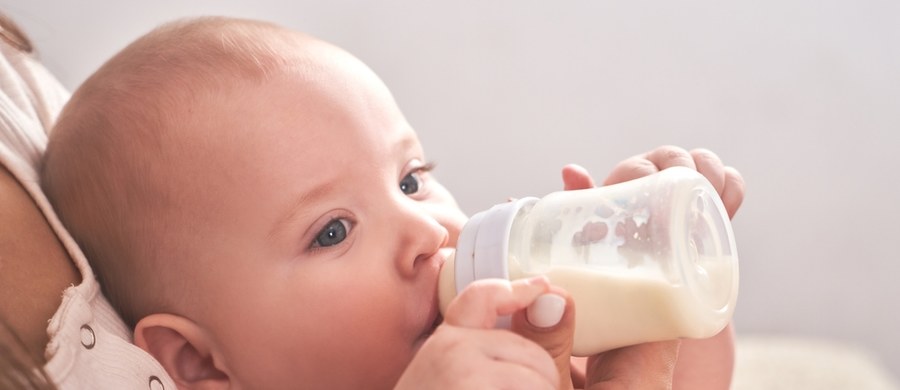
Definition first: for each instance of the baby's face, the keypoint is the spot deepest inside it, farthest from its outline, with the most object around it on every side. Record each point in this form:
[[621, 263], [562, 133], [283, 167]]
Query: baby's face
[[322, 231]]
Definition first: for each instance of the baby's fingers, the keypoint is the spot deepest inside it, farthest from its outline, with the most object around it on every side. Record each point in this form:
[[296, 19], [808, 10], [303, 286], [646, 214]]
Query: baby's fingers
[[630, 169], [727, 181], [464, 358], [482, 302], [648, 163], [710, 166], [523, 356], [733, 193], [670, 156], [576, 177]]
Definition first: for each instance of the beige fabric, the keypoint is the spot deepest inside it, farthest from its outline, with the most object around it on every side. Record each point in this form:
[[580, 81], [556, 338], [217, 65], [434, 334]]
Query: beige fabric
[[766, 362], [90, 347]]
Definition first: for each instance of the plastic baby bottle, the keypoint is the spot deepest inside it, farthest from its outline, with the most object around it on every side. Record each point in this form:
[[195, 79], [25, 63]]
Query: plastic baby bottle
[[646, 260]]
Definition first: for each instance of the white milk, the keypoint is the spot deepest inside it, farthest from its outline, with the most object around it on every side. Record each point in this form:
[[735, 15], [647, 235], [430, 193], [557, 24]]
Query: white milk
[[615, 309]]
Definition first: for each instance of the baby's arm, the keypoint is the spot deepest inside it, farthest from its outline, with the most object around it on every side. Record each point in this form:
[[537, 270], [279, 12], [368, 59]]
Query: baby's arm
[[704, 363]]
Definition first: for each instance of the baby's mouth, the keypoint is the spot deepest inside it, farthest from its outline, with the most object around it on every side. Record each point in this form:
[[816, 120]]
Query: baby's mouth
[[438, 317]]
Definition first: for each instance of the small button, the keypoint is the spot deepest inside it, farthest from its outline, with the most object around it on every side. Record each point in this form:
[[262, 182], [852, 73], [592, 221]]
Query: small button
[[156, 384], [88, 339]]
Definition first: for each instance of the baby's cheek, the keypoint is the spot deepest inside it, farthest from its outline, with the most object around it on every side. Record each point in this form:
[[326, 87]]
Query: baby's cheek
[[454, 225], [449, 215]]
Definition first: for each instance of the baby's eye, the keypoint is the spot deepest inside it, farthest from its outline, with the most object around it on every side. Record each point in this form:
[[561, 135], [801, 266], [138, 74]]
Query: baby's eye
[[332, 234], [410, 184], [413, 182]]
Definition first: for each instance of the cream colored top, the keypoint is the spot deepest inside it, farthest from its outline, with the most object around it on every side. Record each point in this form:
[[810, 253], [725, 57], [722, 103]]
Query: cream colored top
[[90, 346]]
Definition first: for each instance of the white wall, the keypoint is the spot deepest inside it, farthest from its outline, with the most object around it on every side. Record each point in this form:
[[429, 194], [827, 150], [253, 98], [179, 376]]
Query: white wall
[[803, 96]]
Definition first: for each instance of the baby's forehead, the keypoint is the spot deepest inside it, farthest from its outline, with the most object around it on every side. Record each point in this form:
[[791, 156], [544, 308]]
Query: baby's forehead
[[207, 49], [266, 77]]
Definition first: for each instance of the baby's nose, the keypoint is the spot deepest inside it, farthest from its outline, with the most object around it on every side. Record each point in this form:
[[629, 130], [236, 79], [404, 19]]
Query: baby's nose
[[421, 237]]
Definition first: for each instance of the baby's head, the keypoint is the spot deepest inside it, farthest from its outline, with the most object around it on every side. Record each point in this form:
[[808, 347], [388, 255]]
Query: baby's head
[[255, 203]]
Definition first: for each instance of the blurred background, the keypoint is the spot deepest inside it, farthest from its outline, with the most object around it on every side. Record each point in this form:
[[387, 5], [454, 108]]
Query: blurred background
[[802, 96]]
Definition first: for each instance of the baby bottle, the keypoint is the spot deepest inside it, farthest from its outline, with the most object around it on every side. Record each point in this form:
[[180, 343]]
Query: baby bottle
[[645, 260]]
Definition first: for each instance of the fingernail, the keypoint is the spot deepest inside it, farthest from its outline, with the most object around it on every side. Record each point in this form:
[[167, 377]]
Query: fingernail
[[546, 311]]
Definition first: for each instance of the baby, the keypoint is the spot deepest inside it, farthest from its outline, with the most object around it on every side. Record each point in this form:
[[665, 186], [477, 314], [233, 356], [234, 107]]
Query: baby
[[257, 207]]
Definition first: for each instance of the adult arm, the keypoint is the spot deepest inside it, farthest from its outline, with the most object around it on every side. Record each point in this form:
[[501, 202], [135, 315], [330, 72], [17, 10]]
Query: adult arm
[[34, 267]]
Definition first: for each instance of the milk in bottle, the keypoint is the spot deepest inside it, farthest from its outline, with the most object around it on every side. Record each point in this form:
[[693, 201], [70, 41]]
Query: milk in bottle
[[646, 260]]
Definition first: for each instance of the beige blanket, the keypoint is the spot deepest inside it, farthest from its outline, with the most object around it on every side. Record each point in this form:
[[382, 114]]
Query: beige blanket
[[780, 362]]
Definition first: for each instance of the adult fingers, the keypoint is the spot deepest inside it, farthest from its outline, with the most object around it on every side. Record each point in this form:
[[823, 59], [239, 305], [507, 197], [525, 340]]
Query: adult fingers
[[642, 366], [550, 322], [482, 302], [706, 363]]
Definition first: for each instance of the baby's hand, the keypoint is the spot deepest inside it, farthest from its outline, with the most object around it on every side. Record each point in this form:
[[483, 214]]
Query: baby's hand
[[467, 352], [727, 181]]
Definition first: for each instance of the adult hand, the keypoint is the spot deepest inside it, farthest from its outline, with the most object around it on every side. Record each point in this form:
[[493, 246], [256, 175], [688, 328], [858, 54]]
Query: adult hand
[[708, 363], [550, 322], [467, 352]]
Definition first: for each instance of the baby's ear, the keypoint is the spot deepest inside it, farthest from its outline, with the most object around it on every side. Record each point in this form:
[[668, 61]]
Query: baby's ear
[[184, 350]]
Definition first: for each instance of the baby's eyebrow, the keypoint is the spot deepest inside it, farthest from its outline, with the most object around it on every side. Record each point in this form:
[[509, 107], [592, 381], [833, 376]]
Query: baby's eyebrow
[[296, 209], [408, 141]]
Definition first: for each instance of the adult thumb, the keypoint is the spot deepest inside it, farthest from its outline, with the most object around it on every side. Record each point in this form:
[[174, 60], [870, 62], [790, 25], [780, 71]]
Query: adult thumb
[[550, 322]]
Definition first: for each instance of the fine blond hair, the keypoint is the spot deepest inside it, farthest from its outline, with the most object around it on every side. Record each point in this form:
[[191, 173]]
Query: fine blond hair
[[101, 170]]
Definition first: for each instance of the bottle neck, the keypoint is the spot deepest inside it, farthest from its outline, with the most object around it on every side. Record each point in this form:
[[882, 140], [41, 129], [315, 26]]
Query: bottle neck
[[482, 249], [447, 283]]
